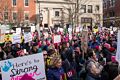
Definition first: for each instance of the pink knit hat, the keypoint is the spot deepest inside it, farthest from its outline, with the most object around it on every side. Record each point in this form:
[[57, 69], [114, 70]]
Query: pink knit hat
[[106, 45]]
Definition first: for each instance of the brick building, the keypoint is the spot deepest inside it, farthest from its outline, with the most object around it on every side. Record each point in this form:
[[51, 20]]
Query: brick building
[[17, 11], [111, 15]]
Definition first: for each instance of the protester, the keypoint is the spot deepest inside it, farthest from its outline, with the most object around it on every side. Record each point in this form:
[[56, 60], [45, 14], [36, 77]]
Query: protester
[[94, 69], [56, 71], [68, 60]]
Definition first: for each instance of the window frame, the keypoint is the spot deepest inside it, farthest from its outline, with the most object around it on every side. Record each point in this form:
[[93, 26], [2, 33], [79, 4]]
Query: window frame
[[25, 3], [91, 10], [84, 8], [57, 15], [13, 16], [7, 15], [13, 3], [97, 7], [26, 12]]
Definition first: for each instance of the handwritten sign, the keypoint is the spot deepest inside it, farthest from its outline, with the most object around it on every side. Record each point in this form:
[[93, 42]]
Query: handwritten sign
[[18, 30], [17, 68], [57, 38], [84, 41], [27, 37], [16, 38]]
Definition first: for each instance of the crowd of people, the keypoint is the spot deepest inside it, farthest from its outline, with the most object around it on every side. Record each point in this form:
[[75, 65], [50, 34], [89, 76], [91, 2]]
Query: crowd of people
[[67, 60]]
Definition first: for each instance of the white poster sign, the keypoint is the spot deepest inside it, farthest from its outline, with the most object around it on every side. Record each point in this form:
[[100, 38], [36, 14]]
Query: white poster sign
[[70, 36], [27, 37], [16, 38], [32, 28], [18, 30], [77, 29], [70, 30], [2, 33], [46, 35], [118, 47], [17, 68], [57, 38]]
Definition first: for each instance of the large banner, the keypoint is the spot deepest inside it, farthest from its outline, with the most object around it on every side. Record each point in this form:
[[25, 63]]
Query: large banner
[[118, 48], [17, 68], [27, 37], [57, 38]]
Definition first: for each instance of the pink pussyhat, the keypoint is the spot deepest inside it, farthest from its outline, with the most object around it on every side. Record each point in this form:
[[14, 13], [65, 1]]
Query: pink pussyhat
[[106, 45], [26, 77]]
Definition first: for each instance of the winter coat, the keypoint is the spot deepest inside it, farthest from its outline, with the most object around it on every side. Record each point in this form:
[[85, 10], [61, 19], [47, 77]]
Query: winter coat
[[55, 74]]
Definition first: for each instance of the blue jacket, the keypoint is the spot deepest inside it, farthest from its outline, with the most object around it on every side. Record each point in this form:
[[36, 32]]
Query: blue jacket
[[55, 73]]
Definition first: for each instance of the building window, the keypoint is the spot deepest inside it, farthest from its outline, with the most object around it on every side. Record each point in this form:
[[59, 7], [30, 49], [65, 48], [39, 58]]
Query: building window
[[5, 15], [26, 16], [26, 2], [89, 8], [14, 2], [57, 13], [104, 5], [86, 20], [14, 15], [111, 13], [84, 8], [112, 3], [97, 7]]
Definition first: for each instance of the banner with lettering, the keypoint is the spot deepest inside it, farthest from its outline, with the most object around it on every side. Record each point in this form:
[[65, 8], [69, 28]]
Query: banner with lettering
[[27, 37], [21, 68]]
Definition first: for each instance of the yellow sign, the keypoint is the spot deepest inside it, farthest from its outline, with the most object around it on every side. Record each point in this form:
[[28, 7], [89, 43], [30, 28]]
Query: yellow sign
[[95, 30], [8, 38]]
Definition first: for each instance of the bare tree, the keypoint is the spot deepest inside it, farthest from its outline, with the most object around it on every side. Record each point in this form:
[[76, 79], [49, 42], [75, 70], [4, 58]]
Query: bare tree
[[20, 16], [75, 10], [5, 11]]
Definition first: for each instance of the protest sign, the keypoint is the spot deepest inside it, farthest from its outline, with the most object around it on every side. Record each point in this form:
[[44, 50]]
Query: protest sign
[[84, 40], [118, 48], [32, 28], [18, 30], [95, 30], [2, 35], [77, 29], [27, 37], [16, 38], [8, 37], [17, 68], [57, 38], [70, 36], [46, 35]]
